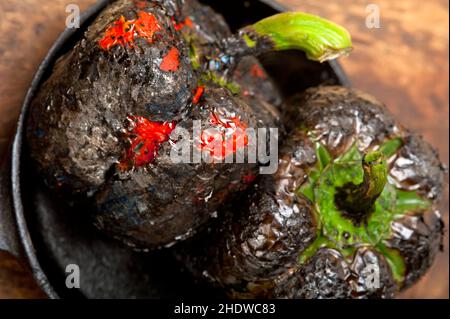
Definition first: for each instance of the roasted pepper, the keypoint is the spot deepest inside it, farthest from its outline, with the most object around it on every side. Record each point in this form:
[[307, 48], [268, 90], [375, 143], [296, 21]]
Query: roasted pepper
[[351, 212], [103, 124]]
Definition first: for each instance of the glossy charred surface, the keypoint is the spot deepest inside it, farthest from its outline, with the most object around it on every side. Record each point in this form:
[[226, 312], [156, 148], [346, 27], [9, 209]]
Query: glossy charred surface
[[259, 92], [135, 65], [338, 118], [163, 202], [328, 275], [77, 117], [310, 253], [258, 241], [418, 239], [205, 32], [417, 167]]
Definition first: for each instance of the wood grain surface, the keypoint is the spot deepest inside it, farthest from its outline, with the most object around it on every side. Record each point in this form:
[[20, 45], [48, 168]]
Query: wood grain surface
[[404, 63]]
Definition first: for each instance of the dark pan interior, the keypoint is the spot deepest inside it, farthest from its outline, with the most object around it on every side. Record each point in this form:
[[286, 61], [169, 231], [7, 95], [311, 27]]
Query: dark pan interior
[[63, 235]]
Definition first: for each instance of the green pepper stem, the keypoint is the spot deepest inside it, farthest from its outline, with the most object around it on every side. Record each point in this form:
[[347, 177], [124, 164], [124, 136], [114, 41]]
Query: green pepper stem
[[320, 39], [358, 200]]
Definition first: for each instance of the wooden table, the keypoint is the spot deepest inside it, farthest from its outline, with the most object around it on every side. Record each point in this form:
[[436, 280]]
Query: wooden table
[[404, 63]]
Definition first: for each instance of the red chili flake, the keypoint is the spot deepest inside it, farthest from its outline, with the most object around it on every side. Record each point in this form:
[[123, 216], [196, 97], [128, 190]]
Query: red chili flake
[[229, 136], [198, 94], [248, 179], [177, 26], [171, 60], [146, 25], [186, 23], [145, 138], [122, 32], [257, 71]]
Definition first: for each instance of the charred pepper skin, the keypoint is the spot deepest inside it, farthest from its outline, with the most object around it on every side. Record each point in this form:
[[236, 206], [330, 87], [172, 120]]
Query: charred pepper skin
[[148, 65], [255, 251], [328, 275], [330, 129], [247, 74], [77, 116], [256, 244], [162, 203], [78, 121], [415, 167]]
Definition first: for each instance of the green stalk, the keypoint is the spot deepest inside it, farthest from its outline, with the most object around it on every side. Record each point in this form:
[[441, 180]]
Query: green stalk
[[319, 38], [358, 200]]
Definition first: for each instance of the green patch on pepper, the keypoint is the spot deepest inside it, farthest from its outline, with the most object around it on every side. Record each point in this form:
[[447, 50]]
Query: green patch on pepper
[[364, 178]]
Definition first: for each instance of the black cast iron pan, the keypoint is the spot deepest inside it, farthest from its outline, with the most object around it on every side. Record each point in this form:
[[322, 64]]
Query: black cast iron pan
[[48, 235]]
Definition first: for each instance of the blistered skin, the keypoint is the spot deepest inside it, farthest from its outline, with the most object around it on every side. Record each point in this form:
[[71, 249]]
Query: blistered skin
[[261, 236], [256, 87], [249, 257], [339, 117], [77, 117], [133, 65], [256, 253], [417, 167], [259, 91], [162, 203], [418, 238], [329, 276]]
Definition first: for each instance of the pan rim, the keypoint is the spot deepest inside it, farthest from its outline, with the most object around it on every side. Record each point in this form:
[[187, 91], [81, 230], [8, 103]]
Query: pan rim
[[16, 153]]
